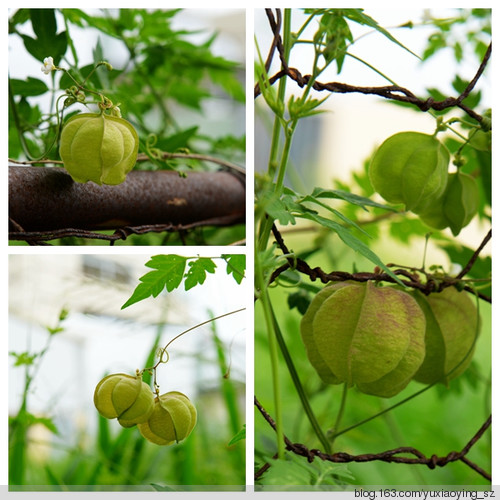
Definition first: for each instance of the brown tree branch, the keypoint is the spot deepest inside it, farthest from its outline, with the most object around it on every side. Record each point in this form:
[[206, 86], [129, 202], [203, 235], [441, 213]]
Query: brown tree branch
[[47, 199]]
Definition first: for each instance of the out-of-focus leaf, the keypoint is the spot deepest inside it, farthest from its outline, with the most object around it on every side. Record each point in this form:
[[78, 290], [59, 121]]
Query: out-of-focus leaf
[[29, 87]]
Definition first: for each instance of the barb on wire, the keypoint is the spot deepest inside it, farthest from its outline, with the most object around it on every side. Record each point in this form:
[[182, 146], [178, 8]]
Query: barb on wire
[[391, 456], [393, 92], [408, 278]]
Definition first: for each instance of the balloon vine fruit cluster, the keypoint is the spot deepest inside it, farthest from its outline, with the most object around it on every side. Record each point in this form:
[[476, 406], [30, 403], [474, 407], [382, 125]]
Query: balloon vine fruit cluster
[[412, 168], [98, 147], [379, 338], [162, 420]]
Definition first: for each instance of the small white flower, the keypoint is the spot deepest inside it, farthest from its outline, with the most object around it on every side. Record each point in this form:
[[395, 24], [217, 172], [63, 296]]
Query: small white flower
[[48, 65]]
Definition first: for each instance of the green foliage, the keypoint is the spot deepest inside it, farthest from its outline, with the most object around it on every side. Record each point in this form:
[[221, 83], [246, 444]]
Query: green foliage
[[21, 423], [348, 226], [173, 81], [120, 459], [170, 271], [293, 471]]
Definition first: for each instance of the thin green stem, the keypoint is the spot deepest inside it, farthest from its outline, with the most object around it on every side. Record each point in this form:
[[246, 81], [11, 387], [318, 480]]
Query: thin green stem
[[273, 353], [340, 413], [164, 349], [298, 386]]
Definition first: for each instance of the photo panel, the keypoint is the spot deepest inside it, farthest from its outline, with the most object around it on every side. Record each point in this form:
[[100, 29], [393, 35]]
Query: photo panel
[[127, 372], [373, 318], [127, 127]]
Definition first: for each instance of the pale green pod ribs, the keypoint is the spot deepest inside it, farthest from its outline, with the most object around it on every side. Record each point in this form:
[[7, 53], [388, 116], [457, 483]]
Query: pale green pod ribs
[[124, 397], [172, 420], [99, 148], [410, 168], [456, 207], [452, 328], [364, 335]]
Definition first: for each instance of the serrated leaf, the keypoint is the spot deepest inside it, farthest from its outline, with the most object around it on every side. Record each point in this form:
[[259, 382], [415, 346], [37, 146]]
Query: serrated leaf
[[277, 209], [168, 273], [197, 272], [236, 266]]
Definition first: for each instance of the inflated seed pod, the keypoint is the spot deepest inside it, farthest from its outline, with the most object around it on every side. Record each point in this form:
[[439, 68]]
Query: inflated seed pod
[[456, 207], [410, 168], [364, 335], [451, 331], [124, 397], [98, 147], [172, 420]]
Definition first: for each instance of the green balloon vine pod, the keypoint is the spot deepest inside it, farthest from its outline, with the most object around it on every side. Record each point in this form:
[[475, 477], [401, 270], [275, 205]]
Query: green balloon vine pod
[[161, 419], [98, 147], [452, 325], [365, 335], [124, 397], [410, 168], [172, 420], [456, 207]]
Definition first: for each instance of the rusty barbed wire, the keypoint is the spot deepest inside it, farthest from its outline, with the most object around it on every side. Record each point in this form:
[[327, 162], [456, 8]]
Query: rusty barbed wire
[[40, 238], [390, 456], [409, 279], [392, 92]]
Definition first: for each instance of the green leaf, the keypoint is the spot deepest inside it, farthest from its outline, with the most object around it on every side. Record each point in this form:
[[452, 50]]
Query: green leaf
[[355, 199], [299, 300], [44, 23], [238, 437], [351, 241], [235, 265], [23, 358], [176, 141], [47, 42], [29, 87], [294, 470], [277, 208], [54, 330], [169, 272], [197, 272], [358, 16], [299, 109], [335, 212]]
